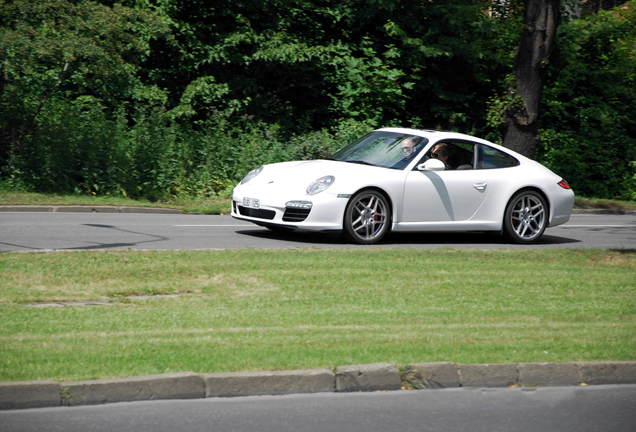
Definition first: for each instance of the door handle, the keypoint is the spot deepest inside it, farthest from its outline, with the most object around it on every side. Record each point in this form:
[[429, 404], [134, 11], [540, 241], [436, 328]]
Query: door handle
[[480, 186]]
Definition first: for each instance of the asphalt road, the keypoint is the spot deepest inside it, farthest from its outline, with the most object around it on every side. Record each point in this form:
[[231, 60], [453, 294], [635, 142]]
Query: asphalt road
[[565, 409], [86, 231]]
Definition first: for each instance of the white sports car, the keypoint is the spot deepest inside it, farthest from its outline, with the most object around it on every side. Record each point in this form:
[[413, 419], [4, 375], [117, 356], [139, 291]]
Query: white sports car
[[407, 180]]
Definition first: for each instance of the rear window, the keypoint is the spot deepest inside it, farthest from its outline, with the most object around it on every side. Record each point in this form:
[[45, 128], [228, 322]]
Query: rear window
[[491, 158]]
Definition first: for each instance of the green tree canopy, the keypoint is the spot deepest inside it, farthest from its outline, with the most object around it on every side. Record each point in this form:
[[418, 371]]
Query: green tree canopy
[[158, 97], [71, 48], [588, 126], [314, 62]]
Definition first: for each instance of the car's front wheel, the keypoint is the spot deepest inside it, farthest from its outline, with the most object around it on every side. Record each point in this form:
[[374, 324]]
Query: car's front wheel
[[526, 217], [367, 217]]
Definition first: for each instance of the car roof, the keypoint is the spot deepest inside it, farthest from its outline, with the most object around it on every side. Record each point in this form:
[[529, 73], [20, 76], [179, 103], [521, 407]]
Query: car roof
[[434, 134]]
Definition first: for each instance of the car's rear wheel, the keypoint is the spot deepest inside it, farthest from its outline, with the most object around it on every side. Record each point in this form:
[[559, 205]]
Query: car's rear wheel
[[526, 217], [367, 217]]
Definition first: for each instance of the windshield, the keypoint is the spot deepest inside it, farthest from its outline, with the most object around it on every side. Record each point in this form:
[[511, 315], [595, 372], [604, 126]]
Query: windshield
[[383, 149]]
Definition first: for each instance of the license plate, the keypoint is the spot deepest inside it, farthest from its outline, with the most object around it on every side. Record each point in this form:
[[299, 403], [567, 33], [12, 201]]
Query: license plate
[[251, 203]]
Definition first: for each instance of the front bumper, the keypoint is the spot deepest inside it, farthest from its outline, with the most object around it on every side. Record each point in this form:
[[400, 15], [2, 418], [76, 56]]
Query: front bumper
[[326, 212]]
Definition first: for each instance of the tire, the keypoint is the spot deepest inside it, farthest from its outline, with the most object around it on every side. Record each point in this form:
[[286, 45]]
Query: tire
[[367, 217], [526, 217]]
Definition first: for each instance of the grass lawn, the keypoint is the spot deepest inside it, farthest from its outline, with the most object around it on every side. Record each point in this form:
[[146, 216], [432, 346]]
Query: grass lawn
[[240, 310], [216, 205]]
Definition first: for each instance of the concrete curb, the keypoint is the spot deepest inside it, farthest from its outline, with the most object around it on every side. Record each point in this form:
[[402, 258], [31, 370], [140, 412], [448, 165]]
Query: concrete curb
[[488, 375], [603, 211], [355, 378], [186, 385], [88, 209], [268, 383], [432, 375], [30, 394], [372, 377]]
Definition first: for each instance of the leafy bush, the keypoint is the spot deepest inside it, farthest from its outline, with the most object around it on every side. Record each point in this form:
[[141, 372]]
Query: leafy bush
[[80, 148], [75, 149]]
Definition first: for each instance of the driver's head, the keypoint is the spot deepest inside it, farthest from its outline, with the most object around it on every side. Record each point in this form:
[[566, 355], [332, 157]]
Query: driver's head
[[440, 152]]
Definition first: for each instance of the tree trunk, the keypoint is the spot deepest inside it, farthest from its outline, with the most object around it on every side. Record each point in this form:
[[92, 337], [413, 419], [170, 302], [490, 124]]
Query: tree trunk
[[520, 129]]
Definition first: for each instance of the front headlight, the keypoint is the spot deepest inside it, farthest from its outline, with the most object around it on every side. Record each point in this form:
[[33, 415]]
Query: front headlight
[[250, 175], [320, 185]]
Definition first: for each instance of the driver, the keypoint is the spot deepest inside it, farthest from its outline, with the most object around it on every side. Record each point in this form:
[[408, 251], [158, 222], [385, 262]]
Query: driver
[[441, 152]]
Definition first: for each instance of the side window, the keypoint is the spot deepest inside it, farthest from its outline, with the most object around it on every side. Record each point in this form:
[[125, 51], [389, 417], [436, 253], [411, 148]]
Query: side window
[[460, 154], [489, 158]]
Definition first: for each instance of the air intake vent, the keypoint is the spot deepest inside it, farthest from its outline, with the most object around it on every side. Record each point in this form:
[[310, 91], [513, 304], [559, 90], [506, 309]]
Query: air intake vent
[[257, 213], [293, 214]]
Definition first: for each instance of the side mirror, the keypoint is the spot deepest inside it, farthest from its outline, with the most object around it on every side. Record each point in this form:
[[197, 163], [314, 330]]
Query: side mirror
[[432, 165]]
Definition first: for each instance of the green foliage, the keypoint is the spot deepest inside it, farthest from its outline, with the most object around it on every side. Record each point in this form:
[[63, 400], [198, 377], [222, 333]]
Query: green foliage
[[588, 127], [150, 100], [370, 86], [154, 155], [65, 49], [82, 149], [74, 149], [310, 64]]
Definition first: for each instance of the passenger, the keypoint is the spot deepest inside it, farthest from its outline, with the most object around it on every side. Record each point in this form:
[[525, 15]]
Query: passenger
[[408, 148]]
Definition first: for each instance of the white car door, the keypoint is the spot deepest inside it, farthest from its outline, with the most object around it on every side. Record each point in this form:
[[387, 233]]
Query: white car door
[[444, 196], [456, 195]]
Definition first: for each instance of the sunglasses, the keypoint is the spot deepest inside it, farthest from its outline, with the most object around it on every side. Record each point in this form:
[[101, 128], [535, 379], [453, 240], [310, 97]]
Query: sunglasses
[[434, 154]]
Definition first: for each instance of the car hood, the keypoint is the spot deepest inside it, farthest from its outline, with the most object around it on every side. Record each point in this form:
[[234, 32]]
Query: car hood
[[295, 177]]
